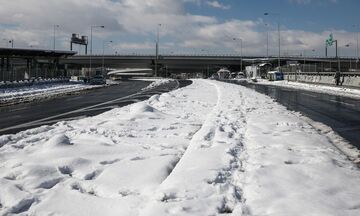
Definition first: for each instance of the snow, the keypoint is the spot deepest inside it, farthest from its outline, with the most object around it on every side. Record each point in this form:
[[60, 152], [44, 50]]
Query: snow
[[206, 149], [26, 93], [333, 90], [155, 83]]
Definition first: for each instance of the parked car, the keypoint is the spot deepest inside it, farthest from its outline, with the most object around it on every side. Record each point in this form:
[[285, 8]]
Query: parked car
[[98, 80]]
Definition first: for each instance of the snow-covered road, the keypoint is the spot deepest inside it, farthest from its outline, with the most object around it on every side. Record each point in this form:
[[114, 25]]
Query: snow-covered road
[[206, 149]]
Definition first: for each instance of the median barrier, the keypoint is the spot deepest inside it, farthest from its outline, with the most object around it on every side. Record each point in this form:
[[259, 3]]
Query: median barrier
[[349, 80]]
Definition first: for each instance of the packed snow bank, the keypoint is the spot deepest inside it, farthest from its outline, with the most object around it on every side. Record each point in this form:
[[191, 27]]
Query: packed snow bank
[[207, 149], [333, 90], [156, 83], [26, 93]]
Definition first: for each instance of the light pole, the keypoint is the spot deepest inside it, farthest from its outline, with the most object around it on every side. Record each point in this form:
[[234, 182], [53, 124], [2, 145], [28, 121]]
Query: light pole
[[267, 40], [278, 28], [357, 44], [157, 49], [347, 46], [55, 26], [241, 53], [91, 30], [103, 54], [8, 41], [305, 58]]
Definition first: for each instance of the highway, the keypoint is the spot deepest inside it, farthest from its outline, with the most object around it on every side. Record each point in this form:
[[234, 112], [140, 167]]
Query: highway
[[24, 116], [342, 114]]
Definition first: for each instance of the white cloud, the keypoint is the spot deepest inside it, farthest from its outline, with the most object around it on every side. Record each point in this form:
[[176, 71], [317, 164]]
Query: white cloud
[[312, 1], [30, 22], [217, 4]]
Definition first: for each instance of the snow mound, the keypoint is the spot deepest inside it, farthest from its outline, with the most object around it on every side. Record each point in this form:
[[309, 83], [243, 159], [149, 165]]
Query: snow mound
[[59, 140]]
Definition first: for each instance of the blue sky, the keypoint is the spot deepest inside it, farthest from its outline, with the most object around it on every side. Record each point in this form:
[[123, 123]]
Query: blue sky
[[187, 26], [312, 15]]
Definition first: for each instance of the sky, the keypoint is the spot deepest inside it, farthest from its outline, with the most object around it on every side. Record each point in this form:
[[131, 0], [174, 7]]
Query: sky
[[184, 26]]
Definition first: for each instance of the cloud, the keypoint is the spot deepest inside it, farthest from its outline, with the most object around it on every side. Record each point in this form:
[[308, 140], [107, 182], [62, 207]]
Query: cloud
[[312, 1], [217, 4], [132, 25]]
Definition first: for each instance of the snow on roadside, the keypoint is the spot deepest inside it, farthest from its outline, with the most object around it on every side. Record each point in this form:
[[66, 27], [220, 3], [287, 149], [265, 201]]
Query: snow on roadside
[[26, 93], [207, 149], [155, 83], [333, 90]]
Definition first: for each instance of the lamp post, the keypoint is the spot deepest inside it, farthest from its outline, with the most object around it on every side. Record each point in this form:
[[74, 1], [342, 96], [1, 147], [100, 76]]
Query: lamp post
[[357, 44], [91, 30], [267, 40], [305, 58], [157, 49], [347, 46], [241, 53], [278, 28], [8, 41], [55, 26], [103, 54]]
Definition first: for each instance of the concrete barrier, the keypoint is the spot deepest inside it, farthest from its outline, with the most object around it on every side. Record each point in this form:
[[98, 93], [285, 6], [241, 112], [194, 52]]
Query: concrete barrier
[[347, 80]]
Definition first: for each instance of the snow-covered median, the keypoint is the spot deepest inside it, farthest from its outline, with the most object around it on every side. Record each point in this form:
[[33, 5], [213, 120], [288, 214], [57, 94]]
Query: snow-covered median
[[333, 90], [209, 148], [34, 92]]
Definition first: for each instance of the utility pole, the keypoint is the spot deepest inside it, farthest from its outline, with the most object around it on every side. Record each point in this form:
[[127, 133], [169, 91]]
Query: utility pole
[[157, 50], [91, 30], [55, 26], [279, 37]]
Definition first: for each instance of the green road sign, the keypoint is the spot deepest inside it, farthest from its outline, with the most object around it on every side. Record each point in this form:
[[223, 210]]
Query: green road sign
[[330, 40]]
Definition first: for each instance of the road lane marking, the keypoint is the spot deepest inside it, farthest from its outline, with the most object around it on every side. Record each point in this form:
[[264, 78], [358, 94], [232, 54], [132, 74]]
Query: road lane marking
[[348, 104], [310, 95]]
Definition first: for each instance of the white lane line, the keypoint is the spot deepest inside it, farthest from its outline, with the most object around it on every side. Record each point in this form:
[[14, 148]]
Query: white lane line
[[348, 104], [310, 95], [42, 123]]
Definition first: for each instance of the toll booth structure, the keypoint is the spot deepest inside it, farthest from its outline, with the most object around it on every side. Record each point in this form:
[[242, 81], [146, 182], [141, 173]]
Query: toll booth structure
[[24, 64]]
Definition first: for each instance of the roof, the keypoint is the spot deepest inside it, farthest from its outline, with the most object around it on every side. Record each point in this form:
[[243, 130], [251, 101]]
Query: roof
[[18, 52]]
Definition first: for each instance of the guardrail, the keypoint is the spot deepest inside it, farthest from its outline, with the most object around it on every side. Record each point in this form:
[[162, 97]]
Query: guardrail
[[21, 83]]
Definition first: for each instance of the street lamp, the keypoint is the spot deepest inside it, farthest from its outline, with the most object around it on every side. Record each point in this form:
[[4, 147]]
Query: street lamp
[[347, 46], [55, 26], [267, 40], [278, 27], [8, 41], [241, 53], [357, 44], [305, 58], [157, 49], [103, 54], [91, 30]]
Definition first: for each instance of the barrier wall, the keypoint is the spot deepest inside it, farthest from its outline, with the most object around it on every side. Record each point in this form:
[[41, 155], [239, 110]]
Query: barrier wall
[[347, 80]]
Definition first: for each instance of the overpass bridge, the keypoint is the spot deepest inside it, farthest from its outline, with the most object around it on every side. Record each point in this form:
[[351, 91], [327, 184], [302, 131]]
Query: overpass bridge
[[203, 63]]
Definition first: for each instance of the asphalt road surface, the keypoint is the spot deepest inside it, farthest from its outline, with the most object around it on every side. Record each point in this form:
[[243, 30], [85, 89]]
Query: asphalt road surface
[[342, 114], [24, 116]]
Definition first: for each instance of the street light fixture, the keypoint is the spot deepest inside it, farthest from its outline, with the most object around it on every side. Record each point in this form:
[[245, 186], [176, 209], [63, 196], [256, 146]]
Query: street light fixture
[[55, 26], [91, 30], [278, 27], [8, 41], [103, 54], [241, 53]]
